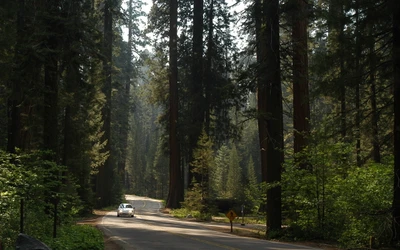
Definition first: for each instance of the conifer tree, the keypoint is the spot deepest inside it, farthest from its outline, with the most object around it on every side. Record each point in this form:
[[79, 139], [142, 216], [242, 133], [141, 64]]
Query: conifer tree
[[234, 183]]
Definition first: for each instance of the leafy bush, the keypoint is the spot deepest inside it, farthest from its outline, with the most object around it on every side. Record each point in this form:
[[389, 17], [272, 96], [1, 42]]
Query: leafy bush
[[78, 237], [37, 183], [336, 200]]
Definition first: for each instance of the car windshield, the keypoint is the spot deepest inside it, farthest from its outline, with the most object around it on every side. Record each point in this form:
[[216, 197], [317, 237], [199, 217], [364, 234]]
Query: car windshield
[[128, 206]]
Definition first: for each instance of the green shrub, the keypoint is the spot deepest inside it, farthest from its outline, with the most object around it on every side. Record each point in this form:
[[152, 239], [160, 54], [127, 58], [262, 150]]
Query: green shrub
[[78, 237]]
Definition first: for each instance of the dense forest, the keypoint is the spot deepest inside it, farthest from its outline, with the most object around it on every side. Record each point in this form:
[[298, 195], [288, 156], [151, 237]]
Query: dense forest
[[289, 107]]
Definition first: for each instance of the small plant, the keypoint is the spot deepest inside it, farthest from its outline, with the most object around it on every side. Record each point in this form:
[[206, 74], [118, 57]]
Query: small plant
[[78, 237]]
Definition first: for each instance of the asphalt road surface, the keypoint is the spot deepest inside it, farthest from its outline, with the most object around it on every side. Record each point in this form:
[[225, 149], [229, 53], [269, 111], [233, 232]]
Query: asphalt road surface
[[150, 229]]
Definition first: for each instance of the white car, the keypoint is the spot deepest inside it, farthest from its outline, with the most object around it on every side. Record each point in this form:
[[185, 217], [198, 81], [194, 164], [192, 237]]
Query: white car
[[126, 209]]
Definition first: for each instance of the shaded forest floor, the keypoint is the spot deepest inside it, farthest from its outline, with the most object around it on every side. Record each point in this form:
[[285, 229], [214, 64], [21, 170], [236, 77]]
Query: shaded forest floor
[[245, 231]]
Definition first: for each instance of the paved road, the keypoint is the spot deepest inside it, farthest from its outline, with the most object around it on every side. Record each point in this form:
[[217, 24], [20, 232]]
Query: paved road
[[150, 229]]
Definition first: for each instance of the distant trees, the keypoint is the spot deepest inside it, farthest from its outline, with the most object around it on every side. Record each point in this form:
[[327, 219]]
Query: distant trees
[[54, 94]]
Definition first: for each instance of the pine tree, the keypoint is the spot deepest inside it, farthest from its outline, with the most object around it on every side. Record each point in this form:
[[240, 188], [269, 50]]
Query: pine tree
[[234, 184], [203, 157]]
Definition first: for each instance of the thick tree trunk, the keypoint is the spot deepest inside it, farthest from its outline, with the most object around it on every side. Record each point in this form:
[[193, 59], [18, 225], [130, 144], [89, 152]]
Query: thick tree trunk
[[197, 102], [301, 104], [124, 132], [175, 195], [270, 109], [396, 130], [15, 102], [275, 124], [261, 91], [105, 175]]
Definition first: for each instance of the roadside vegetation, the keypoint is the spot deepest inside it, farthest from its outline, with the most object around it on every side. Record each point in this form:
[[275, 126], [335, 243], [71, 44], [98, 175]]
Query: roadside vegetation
[[39, 198], [347, 206]]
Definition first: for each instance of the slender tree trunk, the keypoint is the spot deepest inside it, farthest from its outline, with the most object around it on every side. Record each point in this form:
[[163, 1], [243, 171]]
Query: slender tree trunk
[[342, 84], [372, 80], [175, 195], [301, 104], [105, 175], [209, 79], [358, 83], [396, 130]]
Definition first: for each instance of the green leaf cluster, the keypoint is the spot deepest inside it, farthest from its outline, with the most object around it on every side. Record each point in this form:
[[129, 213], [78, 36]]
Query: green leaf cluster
[[338, 201], [78, 237], [37, 184]]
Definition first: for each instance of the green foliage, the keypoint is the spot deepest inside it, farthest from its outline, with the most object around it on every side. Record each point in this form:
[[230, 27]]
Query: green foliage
[[77, 237], [198, 196], [234, 179], [38, 183], [252, 190], [338, 201], [194, 198]]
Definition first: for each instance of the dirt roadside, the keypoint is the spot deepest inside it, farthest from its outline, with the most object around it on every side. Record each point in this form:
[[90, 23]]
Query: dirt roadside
[[110, 244]]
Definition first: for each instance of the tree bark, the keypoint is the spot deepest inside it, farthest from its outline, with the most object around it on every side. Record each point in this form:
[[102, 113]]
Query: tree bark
[[396, 129], [358, 83], [197, 102], [124, 132], [175, 195], [375, 115], [270, 110], [105, 175], [301, 103], [14, 103]]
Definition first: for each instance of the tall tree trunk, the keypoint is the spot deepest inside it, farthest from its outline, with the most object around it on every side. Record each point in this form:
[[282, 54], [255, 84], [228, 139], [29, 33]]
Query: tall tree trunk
[[50, 114], [262, 118], [197, 104], [126, 104], [342, 84], [175, 195], [372, 79], [270, 109], [15, 102], [208, 72], [301, 104], [105, 175], [358, 83], [50, 127], [396, 129]]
